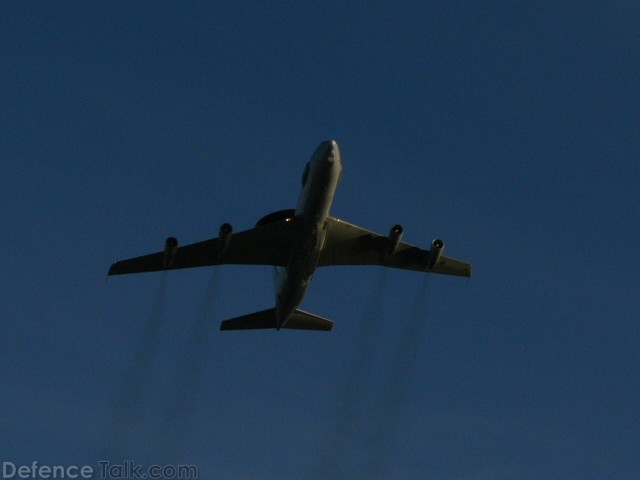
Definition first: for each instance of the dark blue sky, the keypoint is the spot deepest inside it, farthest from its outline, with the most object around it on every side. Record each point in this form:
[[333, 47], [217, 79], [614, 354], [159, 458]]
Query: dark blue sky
[[509, 129]]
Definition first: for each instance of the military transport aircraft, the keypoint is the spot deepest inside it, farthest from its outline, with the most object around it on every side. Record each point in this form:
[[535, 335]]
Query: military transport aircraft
[[300, 240]]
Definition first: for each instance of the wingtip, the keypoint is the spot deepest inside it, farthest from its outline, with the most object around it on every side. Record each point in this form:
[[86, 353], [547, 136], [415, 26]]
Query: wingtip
[[113, 269]]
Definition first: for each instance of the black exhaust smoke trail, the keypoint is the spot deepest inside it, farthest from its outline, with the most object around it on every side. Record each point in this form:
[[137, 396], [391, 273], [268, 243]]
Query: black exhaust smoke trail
[[386, 424], [342, 438], [186, 386], [136, 378]]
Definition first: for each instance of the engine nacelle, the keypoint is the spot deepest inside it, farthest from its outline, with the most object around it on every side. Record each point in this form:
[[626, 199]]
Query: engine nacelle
[[170, 250], [395, 235], [224, 238], [437, 247]]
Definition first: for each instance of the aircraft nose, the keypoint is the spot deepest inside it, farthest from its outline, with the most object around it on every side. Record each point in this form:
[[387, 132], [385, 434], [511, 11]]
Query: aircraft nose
[[327, 152], [330, 150]]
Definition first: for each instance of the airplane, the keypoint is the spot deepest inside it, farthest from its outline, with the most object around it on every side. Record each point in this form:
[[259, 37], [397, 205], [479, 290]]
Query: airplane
[[297, 241]]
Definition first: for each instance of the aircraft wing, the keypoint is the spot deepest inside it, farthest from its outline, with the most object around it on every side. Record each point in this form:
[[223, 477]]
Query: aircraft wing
[[263, 245], [348, 244]]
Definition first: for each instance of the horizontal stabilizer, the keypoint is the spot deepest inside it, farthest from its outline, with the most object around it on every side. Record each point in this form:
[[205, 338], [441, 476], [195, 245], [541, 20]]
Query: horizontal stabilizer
[[263, 319], [307, 321], [267, 319]]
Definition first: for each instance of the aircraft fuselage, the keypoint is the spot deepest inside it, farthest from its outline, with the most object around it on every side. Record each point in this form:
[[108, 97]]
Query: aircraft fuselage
[[320, 180]]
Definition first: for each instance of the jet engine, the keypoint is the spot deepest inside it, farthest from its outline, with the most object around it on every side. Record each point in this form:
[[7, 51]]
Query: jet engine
[[395, 235], [224, 237], [170, 249], [437, 247]]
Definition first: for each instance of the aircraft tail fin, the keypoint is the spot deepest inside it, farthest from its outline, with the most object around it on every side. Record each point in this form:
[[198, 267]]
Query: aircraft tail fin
[[299, 320]]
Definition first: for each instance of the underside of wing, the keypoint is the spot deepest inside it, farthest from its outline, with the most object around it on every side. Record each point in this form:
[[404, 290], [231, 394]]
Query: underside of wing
[[263, 245], [348, 244]]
